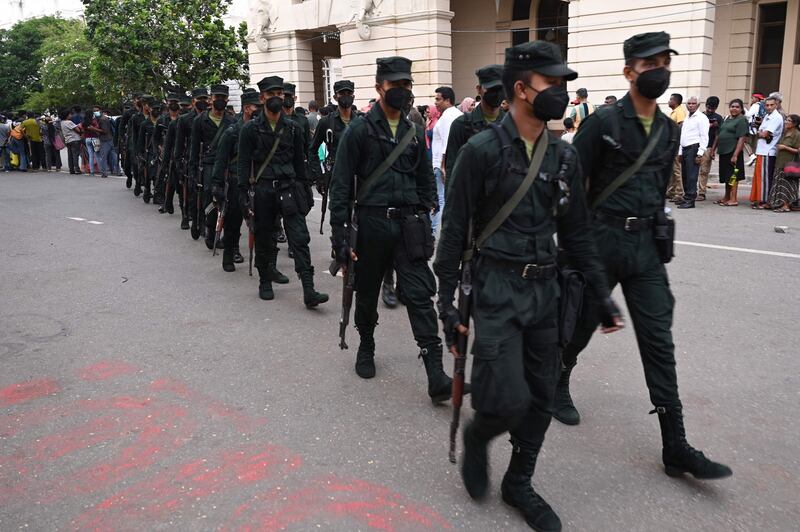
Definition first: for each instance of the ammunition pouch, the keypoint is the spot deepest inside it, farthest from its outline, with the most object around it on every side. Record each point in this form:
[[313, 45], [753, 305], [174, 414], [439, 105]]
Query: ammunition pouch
[[417, 236], [664, 236]]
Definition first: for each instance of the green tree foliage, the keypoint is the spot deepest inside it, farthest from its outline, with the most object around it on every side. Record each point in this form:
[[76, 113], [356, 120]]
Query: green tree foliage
[[67, 71], [20, 50], [155, 45]]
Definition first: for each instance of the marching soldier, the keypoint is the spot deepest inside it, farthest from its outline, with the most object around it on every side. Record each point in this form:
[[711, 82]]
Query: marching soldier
[[132, 137], [382, 165], [225, 172], [512, 188], [181, 157], [635, 140], [335, 122], [146, 151], [488, 112], [271, 171], [168, 169], [207, 127], [122, 137], [159, 139]]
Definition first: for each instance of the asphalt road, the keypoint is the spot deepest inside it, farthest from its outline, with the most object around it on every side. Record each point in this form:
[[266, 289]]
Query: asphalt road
[[142, 388]]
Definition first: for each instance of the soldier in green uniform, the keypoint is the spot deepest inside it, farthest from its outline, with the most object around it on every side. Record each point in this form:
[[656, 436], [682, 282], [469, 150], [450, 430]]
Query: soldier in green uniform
[[168, 170], [122, 137], [132, 131], [207, 127], [336, 122], [180, 155], [146, 151], [608, 142], [392, 204], [515, 291], [225, 172], [271, 167], [490, 89], [162, 126]]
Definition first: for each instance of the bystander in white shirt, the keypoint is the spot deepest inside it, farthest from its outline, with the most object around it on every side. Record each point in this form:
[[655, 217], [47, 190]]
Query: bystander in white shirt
[[441, 131], [695, 131], [772, 122]]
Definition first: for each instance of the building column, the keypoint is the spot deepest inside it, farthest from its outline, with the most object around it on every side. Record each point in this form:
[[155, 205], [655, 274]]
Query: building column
[[288, 56], [423, 36]]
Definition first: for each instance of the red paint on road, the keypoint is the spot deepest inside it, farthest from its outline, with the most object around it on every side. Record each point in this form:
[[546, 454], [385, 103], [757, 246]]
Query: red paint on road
[[186, 484], [107, 369], [349, 500], [23, 392]]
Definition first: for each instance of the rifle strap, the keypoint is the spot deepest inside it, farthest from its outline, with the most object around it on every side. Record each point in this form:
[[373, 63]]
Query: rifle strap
[[632, 169], [508, 207], [220, 127], [269, 157], [389, 161]]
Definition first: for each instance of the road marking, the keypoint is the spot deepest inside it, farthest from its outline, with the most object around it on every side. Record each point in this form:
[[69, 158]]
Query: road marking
[[76, 219], [94, 222], [741, 250]]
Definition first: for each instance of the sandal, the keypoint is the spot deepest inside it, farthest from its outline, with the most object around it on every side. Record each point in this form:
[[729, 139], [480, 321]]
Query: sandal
[[781, 209], [729, 204]]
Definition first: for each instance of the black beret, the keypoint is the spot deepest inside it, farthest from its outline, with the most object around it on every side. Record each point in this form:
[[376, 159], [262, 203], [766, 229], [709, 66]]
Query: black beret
[[270, 83], [490, 76], [148, 99], [289, 88], [173, 97], [539, 56], [344, 85], [220, 89], [185, 99], [647, 45], [199, 92], [394, 68]]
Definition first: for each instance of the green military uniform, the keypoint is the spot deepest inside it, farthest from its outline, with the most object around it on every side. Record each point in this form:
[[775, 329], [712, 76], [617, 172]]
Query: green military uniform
[[181, 158], [515, 290], [397, 201], [146, 151], [289, 92], [168, 169], [122, 139], [465, 126], [132, 137], [159, 139], [334, 123], [609, 141], [277, 187], [206, 130]]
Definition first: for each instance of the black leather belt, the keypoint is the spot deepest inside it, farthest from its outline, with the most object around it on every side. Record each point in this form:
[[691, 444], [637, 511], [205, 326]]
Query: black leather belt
[[390, 213], [691, 146], [630, 224], [526, 271]]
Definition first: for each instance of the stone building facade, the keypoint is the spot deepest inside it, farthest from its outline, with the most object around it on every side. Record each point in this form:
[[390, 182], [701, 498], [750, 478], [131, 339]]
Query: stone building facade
[[729, 47]]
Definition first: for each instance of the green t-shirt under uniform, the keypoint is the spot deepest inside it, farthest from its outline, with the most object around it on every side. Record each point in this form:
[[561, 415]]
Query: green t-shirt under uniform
[[393, 125], [647, 123]]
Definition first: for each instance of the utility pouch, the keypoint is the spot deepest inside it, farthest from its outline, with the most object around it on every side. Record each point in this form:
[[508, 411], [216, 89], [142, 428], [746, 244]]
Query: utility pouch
[[287, 198], [572, 284], [417, 237], [664, 236]]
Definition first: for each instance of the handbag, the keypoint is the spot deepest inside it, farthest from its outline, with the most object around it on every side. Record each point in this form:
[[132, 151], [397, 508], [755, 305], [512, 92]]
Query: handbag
[[58, 142]]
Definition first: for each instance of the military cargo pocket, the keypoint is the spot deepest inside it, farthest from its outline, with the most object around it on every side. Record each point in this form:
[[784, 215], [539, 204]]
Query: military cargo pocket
[[498, 377]]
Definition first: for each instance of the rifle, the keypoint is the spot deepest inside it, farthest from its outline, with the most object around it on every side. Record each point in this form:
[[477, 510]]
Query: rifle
[[349, 281], [251, 209], [460, 362], [184, 189], [221, 218], [328, 164], [199, 191]]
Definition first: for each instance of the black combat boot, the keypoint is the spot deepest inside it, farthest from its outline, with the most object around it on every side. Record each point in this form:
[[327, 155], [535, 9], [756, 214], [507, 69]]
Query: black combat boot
[[365, 357], [185, 224], [388, 294], [311, 297], [128, 182], [679, 457], [238, 259], [272, 270], [147, 196], [518, 492], [264, 286], [475, 458], [137, 189], [440, 386], [227, 261], [564, 410]]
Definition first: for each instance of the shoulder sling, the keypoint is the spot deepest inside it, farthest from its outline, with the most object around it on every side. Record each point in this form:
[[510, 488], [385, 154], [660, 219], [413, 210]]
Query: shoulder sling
[[389, 161]]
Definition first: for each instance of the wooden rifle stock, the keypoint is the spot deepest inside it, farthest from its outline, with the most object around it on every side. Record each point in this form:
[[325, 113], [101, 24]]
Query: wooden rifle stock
[[460, 362]]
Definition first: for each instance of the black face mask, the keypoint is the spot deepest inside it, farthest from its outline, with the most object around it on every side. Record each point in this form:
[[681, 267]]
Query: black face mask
[[345, 101], [155, 112], [288, 101], [550, 104], [274, 104], [219, 105], [494, 97], [185, 110], [200, 106], [174, 107], [653, 83], [398, 98]]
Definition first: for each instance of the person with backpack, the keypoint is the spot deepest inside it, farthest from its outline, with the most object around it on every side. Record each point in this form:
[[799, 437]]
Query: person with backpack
[[626, 152], [514, 187]]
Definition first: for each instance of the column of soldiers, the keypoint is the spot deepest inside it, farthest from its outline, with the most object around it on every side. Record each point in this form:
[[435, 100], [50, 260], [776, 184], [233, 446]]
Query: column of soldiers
[[512, 187]]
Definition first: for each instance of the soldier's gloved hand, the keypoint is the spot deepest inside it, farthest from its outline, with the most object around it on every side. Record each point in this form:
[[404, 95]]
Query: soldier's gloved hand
[[610, 316], [216, 193], [451, 321], [339, 244]]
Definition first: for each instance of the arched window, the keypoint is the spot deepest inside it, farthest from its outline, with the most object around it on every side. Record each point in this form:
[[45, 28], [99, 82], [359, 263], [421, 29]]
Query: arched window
[[552, 22], [521, 10]]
